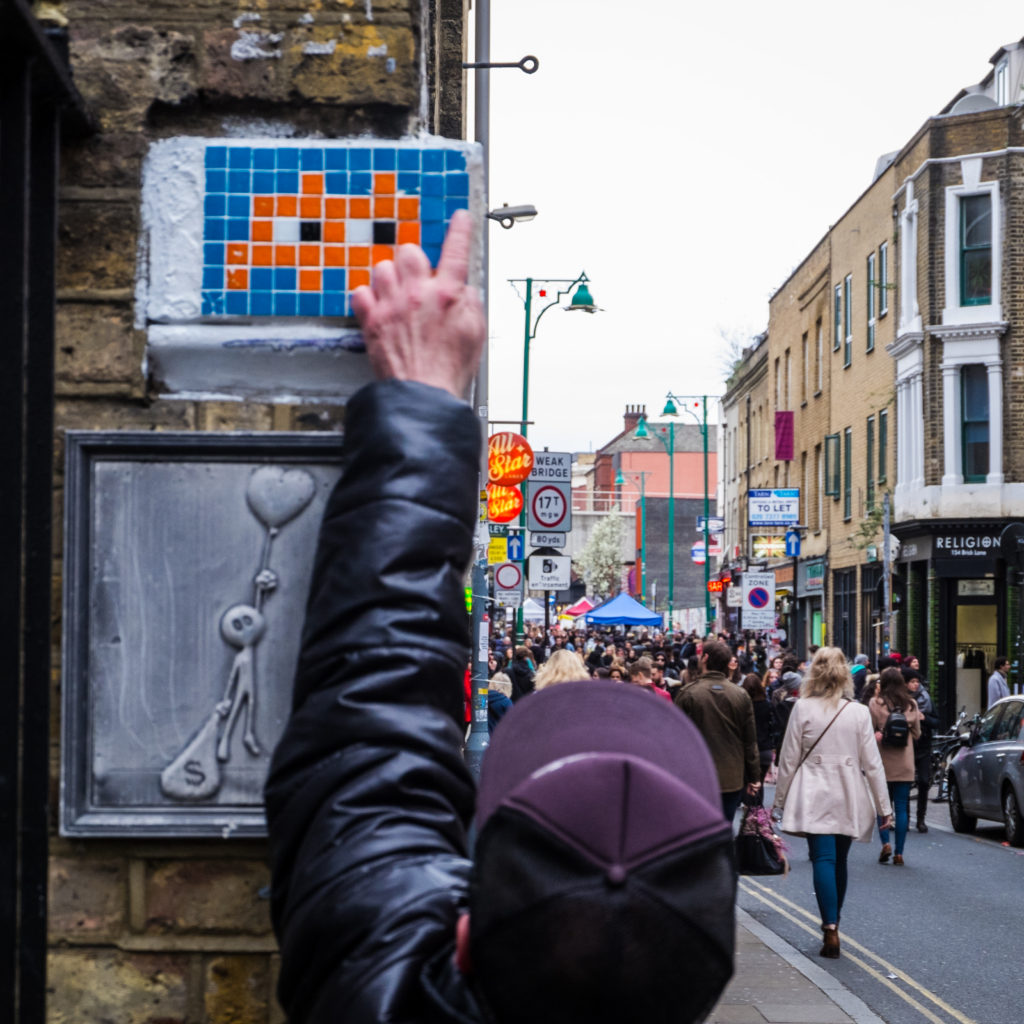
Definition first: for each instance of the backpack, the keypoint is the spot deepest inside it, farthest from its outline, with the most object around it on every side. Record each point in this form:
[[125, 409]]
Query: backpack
[[896, 730]]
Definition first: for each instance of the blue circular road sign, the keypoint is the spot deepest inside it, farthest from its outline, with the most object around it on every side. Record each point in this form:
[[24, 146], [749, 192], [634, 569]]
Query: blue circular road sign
[[758, 597]]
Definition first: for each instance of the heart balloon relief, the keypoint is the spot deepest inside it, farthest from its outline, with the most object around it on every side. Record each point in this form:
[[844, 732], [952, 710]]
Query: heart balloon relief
[[277, 495]]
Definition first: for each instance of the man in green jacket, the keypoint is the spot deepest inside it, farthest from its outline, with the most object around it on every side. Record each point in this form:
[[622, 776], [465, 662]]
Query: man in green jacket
[[724, 714]]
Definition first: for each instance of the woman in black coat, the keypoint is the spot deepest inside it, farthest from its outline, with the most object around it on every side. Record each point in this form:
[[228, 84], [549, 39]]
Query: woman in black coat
[[764, 721], [521, 673]]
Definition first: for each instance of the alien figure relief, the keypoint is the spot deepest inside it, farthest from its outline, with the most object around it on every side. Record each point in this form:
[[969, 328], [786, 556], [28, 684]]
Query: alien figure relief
[[276, 496]]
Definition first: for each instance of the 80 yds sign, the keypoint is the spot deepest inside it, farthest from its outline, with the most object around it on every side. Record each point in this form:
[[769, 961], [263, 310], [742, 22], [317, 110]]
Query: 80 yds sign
[[549, 507]]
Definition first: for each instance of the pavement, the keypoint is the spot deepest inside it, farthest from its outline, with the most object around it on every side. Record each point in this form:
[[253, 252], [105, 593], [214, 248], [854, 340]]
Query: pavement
[[776, 983]]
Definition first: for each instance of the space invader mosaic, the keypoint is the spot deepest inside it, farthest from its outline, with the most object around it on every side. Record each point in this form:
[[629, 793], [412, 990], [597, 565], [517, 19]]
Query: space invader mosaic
[[292, 230]]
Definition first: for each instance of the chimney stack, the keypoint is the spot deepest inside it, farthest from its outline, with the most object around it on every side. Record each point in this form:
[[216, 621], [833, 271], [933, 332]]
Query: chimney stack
[[633, 416]]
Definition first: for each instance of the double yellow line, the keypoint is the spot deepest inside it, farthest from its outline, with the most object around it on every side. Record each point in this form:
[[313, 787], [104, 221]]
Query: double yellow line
[[800, 917]]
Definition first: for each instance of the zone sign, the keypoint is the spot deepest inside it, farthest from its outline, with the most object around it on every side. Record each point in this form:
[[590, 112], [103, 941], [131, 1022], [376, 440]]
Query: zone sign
[[549, 507]]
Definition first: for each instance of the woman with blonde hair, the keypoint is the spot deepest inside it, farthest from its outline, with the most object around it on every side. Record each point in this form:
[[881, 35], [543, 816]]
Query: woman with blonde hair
[[562, 667], [831, 782]]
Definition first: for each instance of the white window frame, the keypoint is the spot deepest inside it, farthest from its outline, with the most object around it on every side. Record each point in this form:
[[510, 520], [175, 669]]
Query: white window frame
[[872, 301], [820, 328], [954, 313], [1001, 83], [883, 279]]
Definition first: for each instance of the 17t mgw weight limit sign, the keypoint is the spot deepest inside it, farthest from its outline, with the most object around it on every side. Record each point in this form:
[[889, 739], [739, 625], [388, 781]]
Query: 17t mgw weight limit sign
[[758, 608]]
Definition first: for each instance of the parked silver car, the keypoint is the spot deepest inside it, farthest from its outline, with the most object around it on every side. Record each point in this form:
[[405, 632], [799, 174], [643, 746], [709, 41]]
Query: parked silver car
[[986, 776]]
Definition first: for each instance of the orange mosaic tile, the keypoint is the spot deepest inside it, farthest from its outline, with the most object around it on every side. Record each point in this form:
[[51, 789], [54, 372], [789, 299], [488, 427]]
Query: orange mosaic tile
[[310, 207], [263, 206], [313, 184], [262, 255], [337, 209], [284, 256], [408, 233], [238, 252], [382, 253], [384, 184], [334, 256], [409, 208], [309, 255], [357, 278], [287, 206], [359, 207], [262, 231], [359, 256], [334, 231], [309, 280], [238, 279], [384, 208]]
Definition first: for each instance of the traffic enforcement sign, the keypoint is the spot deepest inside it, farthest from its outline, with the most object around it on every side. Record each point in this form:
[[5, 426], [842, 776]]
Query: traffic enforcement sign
[[550, 572], [697, 553], [549, 507], [508, 576]]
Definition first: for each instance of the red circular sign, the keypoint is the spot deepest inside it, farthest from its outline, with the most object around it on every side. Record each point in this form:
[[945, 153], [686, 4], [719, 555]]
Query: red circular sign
[[508, 576], [509, 458], [548, 506]]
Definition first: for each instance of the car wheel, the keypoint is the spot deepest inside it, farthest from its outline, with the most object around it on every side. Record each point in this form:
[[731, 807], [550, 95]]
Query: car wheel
[[1012, 820], [958, 817]]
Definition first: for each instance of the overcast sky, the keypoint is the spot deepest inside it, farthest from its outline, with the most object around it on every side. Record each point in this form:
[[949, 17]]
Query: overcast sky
[[687, 159]]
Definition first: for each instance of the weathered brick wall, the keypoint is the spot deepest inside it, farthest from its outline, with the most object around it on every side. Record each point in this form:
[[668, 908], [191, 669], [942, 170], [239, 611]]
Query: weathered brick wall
[[180, 931]]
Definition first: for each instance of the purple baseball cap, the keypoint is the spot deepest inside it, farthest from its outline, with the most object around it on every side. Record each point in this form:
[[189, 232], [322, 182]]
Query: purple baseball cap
[[603, 884]]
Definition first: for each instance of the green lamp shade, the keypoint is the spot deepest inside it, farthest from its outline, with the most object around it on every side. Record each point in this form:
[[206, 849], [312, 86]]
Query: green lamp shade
[[619, 479], [641, 430], [670, 409], [582, 297]]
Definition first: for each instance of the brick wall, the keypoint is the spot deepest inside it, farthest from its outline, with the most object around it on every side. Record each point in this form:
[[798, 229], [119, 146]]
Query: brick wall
[[180, 931]]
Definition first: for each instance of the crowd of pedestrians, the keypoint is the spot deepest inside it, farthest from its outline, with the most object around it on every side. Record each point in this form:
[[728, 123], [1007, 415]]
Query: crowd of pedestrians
[[768, 715]]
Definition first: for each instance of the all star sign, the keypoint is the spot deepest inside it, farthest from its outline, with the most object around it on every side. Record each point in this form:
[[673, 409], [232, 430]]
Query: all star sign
[[509, 458], [503, 503]]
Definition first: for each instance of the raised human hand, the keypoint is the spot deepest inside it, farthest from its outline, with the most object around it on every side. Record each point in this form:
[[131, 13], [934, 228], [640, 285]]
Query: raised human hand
[[424, 326]]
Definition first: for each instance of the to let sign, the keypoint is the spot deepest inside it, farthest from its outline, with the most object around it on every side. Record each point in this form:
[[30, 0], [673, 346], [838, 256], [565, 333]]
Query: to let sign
[[776, 507]]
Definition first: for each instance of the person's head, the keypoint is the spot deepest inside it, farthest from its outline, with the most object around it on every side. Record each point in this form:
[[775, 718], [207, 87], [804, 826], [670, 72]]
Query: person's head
[[753, 685], [640, 671], [562, 667], [599, 807], [715, 656], [777, 663], [912, 661], [734, 663], [892, 688], [522, 654], [1002, 665], [828, 676], [659, 658], [602, 673], [617, 671], [913, 680], [501, 682], [861, 659]]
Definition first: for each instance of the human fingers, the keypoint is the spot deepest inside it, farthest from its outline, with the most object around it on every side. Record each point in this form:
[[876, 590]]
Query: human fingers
[[454, 262], [411, 262], [363, 303]]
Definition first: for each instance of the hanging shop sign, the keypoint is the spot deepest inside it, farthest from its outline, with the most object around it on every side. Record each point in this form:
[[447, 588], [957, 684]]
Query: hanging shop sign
[[775, 507], [509, 458], [503, 503], [767, 545]]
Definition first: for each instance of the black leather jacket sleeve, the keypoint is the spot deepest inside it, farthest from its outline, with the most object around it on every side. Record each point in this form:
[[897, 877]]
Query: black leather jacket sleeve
[[368, 798]]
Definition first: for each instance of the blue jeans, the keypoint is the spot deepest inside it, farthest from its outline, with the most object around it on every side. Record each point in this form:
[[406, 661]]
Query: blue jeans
[[828, 855], [899, 795]]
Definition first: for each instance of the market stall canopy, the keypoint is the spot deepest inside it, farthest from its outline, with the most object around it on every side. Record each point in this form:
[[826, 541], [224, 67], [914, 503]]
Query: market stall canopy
[[581, 607], [533, 611], [623, 610]]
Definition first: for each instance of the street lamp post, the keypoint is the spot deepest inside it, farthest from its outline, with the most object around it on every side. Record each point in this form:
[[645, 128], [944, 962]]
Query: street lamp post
[[582, 302], [671, 409], [620, 479]]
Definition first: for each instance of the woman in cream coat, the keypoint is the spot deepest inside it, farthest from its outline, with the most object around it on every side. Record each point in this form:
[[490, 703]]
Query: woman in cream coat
[[831, 782]]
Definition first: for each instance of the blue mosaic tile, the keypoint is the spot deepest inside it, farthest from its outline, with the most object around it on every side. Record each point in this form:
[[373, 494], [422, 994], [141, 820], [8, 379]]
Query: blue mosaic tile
[[263, 159], [360, 183], [451, 205], [236, 303], [285, 304], [312, 160], [454, 160], [456, 184], [216, 156], [239, 181], [409, 183], [287, 159], [215, 205], [384, 159], [239, 158], [213, 304], [408, 159], [336, 183], [431, 210], [433, 184], [261, 279], [433, 161], [287, 183], [239, 206], [310, 304], [433, 234], [216, 181], [334, 304], [215, 229], [213, 278], [336, 160], [264, 182], [285, 279], [238, 230], [359, 160], [433, 254], [213, 255], [261, 304]]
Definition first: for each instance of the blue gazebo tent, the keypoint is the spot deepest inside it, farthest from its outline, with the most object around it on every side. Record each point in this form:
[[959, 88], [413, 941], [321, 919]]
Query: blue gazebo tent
[[622, 610]]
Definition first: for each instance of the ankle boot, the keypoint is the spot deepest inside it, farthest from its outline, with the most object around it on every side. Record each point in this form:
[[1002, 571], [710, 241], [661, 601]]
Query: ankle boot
[[830, 948], [921, 826]]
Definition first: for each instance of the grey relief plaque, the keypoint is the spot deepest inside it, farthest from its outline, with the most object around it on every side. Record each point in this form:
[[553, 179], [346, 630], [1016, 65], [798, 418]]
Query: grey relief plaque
[[187, 563]]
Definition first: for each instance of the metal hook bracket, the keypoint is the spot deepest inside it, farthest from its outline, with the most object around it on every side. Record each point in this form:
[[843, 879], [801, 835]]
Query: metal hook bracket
[[528, 65]]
